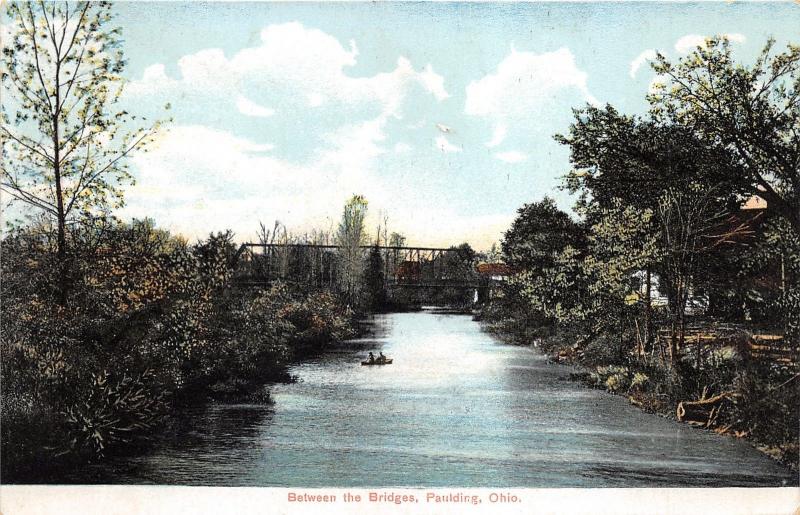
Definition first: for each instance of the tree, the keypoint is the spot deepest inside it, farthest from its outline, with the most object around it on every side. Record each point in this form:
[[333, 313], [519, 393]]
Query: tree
[[350, 236], [544, 248], [668, 174], [751, 113], [65, 137], [538, 234], [373, 280], [397, 240], [615, 156], [494, 255]]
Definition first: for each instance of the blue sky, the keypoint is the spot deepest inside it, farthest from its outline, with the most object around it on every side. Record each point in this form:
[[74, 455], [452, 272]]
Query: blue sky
[[442, 115]]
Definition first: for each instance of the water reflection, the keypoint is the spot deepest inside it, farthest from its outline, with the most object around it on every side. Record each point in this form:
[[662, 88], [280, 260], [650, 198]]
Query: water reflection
[[456, 408]]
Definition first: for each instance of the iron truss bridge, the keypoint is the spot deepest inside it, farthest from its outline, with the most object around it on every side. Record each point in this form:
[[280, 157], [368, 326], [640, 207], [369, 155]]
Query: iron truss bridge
[[259, 264]]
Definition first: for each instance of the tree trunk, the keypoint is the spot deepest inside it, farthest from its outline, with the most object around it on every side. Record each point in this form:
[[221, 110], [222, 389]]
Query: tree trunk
[[703, 411], [672, 343], [648, 313], [61, 216]]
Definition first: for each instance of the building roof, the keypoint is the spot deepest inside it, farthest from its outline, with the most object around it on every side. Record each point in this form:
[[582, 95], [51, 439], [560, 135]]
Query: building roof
[[754, 202], [493, 269]]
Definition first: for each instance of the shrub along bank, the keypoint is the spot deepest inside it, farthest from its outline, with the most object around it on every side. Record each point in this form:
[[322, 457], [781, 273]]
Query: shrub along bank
[[728, 391], [149, 323]]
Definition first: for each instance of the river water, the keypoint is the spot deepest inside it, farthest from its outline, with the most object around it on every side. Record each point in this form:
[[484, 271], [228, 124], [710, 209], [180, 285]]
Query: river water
[[456, 408]]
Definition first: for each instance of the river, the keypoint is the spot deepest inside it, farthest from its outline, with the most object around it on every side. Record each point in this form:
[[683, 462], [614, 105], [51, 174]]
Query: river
[[456, 408]]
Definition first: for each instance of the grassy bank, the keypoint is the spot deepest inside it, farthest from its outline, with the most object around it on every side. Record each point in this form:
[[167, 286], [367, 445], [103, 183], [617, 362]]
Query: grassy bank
[[727, 392]]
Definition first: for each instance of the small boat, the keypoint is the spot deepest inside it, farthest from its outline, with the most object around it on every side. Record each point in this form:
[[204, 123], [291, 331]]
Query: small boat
[[387, 361]]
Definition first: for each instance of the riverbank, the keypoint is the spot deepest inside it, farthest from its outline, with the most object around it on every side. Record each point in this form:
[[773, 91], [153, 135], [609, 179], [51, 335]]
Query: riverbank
[[737, 401], [44, 446], [150, 325]]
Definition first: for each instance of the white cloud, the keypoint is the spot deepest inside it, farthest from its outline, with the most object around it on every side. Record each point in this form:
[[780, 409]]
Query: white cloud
[[433, 82], [315, 99], [641, 59], [179, 185], [498, 135], [736, 37], [445, 146], [154, 79], [179, 180], [353, 146], [526, 89], [291, 61], [690, 42], [250, 108], [525, 81], [296, 68], [401, 148], [511, 157]]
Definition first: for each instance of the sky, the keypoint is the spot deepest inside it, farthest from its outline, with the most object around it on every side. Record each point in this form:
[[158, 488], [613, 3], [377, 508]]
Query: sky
[[442, 115]]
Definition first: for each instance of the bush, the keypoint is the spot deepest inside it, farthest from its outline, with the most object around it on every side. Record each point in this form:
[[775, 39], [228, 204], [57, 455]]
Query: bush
[[113, 411], [149, 321], [768, 406]]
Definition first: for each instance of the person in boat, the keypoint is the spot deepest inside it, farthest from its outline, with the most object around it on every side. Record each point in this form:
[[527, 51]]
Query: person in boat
[[371, 357], [381, 358]]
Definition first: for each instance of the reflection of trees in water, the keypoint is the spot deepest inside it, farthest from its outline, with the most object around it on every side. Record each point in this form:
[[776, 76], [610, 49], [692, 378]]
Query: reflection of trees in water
[[214, 426]]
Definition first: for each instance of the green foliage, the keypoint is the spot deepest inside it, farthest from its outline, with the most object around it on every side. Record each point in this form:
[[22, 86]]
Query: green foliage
[[544, 246], [777, 255], [374, 281], [613, 378], [113, 412], [639, 381], [151, 321], [768, 407], [749, 113], [351, 234], [538, 234]]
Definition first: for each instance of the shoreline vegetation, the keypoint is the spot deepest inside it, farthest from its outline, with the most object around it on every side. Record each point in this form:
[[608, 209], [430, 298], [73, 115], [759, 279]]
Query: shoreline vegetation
[[151, 324], [658, 391], [676, 282]]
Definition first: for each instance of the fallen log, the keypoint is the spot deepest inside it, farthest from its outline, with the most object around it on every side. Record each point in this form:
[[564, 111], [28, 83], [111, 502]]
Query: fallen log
[[704, 411]]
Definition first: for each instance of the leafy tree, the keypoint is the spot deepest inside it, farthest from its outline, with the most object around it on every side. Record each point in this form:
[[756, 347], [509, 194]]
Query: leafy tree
[[680, 185], [615, 156], [493, 255], [397, 240], [544, 247], [65, 137], [751, 113], [621, 245], [538, 234], [350, 236], [373, 280], [462, 260], [776, 255]]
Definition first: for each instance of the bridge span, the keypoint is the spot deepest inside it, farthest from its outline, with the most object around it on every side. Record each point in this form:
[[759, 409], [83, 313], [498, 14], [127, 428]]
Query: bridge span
[[317, 265]]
